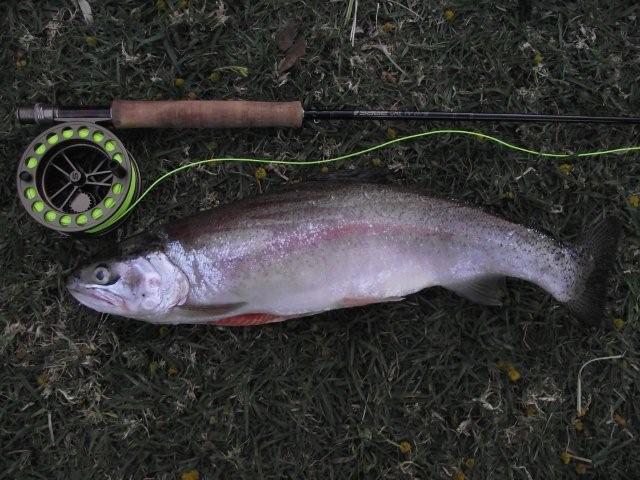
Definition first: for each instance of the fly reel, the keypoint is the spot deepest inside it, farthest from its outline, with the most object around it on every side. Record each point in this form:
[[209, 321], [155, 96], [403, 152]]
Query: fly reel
[[77, 177]]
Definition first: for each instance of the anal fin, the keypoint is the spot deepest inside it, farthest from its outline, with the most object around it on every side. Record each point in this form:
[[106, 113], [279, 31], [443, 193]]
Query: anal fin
[[484, 290]]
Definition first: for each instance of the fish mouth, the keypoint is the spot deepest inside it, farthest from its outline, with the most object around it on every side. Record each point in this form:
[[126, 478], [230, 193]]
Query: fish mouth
[[93, 297]]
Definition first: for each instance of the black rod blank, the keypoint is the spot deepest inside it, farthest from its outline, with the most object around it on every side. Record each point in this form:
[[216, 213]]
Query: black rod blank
[[316, 115]]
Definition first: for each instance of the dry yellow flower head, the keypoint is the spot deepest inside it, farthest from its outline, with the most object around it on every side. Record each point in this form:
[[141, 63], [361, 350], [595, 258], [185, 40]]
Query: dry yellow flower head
[[192, 474], [537, 60], [449, 15], [260, 173], [459, 475], [405, 447], [565, 168], [514, 374]]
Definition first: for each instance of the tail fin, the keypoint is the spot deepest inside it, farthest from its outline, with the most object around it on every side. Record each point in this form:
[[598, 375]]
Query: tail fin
[[598, 249]]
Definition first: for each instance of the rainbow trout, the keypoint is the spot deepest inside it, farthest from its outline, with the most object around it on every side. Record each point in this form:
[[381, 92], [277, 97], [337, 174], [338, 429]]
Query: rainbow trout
[[321, 247]]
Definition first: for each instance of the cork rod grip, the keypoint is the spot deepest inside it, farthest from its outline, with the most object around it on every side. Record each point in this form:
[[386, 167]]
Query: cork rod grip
[[205, 114]]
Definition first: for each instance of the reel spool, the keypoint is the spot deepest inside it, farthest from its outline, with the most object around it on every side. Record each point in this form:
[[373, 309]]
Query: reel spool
[[77, 178]]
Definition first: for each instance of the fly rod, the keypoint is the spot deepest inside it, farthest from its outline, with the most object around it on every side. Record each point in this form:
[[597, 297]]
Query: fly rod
[[251, 114]]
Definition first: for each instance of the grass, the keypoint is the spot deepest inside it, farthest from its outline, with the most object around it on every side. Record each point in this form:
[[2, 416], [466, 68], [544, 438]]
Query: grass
[[88, 396]]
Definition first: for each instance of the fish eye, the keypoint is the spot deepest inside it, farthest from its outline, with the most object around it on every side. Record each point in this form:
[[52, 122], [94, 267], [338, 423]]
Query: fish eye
[[101, 275]]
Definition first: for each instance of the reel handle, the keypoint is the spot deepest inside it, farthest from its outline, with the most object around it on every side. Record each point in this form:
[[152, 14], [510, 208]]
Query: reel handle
[[205, 114]]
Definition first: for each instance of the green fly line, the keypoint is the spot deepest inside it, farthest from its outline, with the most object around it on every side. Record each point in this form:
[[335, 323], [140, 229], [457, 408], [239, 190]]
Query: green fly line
[[128, 206]]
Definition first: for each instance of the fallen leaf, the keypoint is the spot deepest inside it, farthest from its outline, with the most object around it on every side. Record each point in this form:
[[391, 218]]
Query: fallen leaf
[[286, 36], [294, 54]]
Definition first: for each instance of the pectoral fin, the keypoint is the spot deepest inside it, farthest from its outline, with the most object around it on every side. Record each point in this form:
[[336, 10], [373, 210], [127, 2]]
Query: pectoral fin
[[483, 290], [211, 310]]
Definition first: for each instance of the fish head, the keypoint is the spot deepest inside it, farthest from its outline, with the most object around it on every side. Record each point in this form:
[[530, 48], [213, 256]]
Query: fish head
[[143, 287]]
